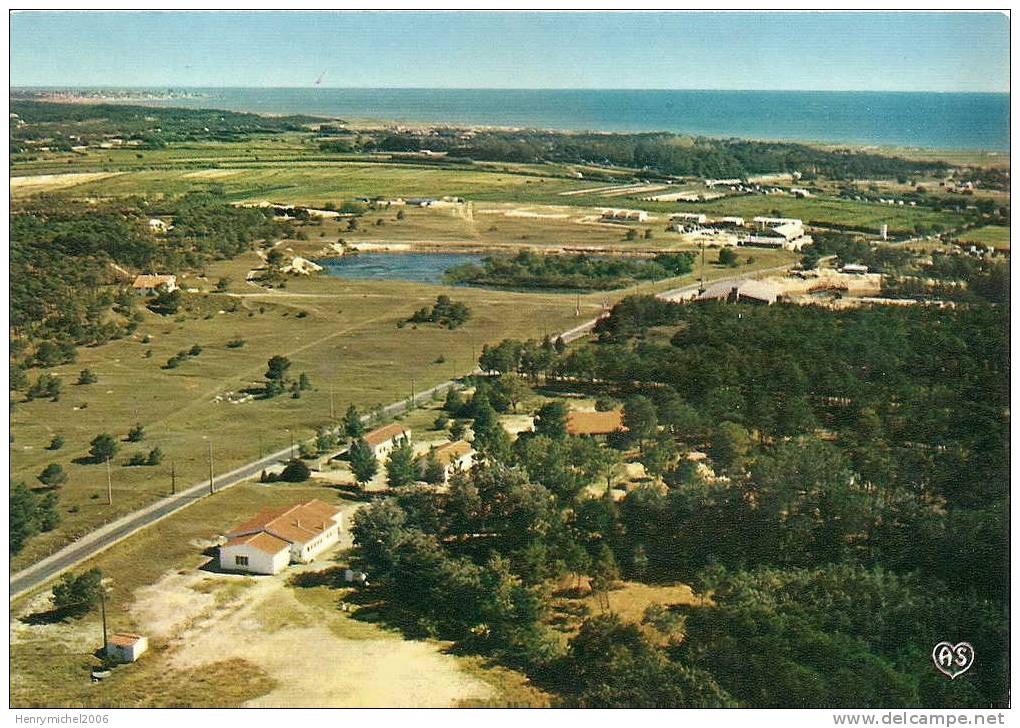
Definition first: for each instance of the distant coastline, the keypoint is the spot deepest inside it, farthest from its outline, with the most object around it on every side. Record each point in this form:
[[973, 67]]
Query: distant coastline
[[873, 120]]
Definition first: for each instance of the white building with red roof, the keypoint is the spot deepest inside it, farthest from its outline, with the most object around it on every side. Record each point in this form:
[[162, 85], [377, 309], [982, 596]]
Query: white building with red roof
[[272, 539], [383, 440]]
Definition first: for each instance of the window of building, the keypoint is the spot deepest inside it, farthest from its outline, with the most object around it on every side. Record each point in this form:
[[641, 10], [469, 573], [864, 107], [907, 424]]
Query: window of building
[[240, 561]]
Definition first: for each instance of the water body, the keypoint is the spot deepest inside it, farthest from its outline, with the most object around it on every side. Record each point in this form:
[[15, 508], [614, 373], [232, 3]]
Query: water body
[[928, 120], [417, 267]]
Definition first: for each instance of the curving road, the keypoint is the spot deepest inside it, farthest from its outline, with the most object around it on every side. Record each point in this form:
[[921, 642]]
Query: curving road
[[103, 538]]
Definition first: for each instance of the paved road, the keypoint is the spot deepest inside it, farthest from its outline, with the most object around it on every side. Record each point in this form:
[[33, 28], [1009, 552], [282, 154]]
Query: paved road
[[101, 539]]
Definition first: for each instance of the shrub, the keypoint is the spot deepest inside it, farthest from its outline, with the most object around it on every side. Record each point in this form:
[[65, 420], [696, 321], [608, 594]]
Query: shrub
[[52, 475], [295, 472], [87, 376]]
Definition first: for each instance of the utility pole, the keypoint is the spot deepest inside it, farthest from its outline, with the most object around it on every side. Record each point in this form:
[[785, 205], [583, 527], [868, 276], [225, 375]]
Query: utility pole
[[412, 392], [102, 609], [701, 286], [109, 484], [211, 490], [260, 444], [173, 477], [332, 410], [291, 443]]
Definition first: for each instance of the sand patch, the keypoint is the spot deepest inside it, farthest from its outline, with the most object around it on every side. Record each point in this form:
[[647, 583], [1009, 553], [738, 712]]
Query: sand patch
[[313, 666], [173, 602]]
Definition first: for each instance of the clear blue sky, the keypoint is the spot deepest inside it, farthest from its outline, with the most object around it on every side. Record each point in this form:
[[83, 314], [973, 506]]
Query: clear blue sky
[[827, 51]]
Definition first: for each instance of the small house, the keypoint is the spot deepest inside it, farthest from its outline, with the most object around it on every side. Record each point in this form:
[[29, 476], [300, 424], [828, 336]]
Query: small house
[[383, 440], [147, 284], [126, 646], [454, 457], [158, 226]]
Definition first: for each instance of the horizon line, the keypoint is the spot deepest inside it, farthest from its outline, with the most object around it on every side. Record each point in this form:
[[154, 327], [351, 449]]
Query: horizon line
[[152, 87]]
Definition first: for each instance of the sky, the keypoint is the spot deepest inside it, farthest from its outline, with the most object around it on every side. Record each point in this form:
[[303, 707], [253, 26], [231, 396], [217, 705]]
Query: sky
[[782, 51]]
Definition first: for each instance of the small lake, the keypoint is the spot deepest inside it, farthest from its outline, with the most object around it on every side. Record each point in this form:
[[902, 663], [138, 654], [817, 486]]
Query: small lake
[[417, 267]]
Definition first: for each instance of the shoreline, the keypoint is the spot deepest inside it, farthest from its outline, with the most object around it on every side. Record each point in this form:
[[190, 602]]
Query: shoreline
[[368, 122]]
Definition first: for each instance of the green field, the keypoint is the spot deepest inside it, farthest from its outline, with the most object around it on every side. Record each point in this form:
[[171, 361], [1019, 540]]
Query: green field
[[292, 169], [995, 236], [342, 333]]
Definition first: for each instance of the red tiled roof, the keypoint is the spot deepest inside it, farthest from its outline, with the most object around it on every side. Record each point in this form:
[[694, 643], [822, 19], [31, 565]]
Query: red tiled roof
[[267, 543], [450, 451], [595, 423], [385, 433], [297, 523], [123, 639]]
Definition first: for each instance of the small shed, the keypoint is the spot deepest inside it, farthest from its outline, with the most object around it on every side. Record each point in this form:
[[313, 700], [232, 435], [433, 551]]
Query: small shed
[[126, 646]]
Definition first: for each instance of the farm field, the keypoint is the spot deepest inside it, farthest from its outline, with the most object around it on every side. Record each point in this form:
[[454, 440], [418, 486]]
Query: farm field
[[996, 236], [290, 170]]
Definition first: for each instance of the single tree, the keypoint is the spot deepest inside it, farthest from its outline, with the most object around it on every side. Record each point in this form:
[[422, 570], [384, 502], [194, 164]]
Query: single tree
[[87, 376], [400, 468], [432, 471], [363, 462], [77, 594], [640, 419], [295, 472], [52, 475], [276, 368], [551, 420], [24, 517], [155, 456], [102, 448], [352, 425], [56, 443], [136, 433]]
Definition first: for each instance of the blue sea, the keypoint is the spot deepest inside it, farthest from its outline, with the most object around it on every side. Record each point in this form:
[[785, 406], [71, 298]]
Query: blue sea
[[926, 120]]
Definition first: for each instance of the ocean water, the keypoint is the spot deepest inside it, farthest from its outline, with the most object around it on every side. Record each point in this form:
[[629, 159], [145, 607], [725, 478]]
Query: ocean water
[[928, 120], [417, 267]]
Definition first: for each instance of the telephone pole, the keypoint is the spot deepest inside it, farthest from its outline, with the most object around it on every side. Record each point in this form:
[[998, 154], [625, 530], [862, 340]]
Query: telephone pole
[[332, 410], [412, 392], [102, 609], [173, 478], [109, 484], [211, 491]]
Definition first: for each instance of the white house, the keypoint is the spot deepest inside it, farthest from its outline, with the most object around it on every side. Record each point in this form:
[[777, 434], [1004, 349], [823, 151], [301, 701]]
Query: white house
[[270, 540], [381, 441], [147, 284], [126, 646], [856, 269], [454, 457], [158, 226]]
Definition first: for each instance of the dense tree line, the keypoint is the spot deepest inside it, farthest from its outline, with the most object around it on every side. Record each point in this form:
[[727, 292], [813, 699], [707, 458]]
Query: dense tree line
[[662, 153], [154, 127], [584, 272], [853, 513], [70, 262]]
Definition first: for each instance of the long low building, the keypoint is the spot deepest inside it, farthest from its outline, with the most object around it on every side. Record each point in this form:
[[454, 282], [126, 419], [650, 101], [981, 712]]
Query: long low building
[[454, 457], [272, 539], [745, 291]]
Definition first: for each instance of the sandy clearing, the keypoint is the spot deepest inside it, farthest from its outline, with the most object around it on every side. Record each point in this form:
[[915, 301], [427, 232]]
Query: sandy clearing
[[170, 604], [43, 182], [72, 634], [268, 626]]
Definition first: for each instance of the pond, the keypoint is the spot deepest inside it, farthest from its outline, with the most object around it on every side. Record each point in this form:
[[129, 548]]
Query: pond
[[417, 267]]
